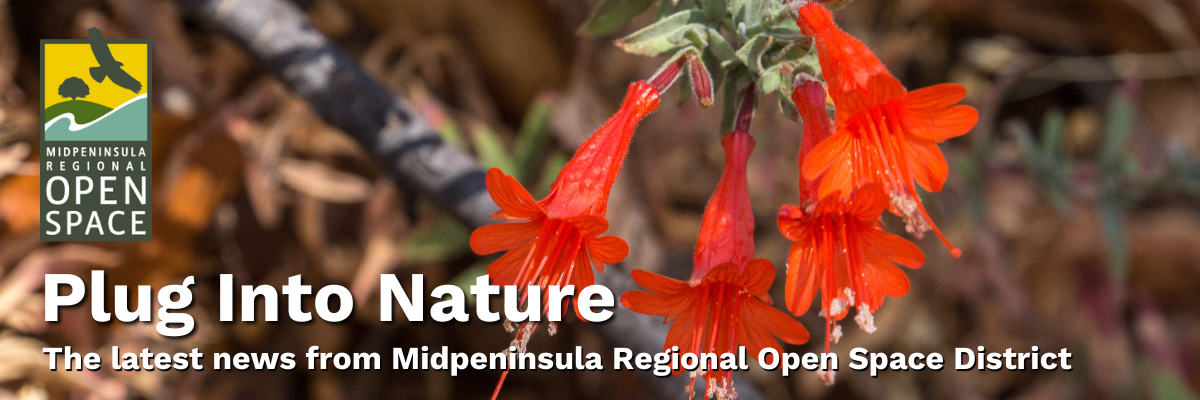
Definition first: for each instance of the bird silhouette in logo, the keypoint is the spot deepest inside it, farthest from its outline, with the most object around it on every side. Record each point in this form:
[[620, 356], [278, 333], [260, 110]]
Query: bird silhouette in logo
[[109, 67]]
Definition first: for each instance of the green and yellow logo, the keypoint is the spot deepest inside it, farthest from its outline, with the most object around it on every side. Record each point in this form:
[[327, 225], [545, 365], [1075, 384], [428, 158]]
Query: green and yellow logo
[[95, 164]]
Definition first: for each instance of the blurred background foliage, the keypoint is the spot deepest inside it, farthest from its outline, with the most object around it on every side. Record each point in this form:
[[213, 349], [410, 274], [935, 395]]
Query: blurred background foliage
[[1075, 199]]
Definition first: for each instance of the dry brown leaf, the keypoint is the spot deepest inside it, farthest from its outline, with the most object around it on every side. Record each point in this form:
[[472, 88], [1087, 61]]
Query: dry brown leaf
[[324, 183]]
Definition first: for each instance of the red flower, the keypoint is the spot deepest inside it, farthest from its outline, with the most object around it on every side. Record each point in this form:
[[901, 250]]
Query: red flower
[[809, 97], [884, 134], [725, 303], [841, 249], [557, 240], [838, 245]]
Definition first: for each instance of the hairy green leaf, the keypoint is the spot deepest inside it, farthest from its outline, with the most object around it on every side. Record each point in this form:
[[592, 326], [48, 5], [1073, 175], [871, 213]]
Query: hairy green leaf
[[667, 35], [714, 65], [715, 9], [751, 53], [734, 81], [788, 32], [720, 48]]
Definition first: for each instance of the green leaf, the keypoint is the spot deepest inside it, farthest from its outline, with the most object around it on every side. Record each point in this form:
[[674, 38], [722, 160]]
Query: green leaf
[[697, 37], [784, 32], [793, 52], [685, 87], [665, 9], [1112, 220], [1049, 171], [734, 82], [748, 14], [720, 48], [810, 64], [751, 53], [667, 35], [714, 66], [1168, 385], [772, 80], [1121, 114], [533, 138], [611, 15], [1114, 167], [491, 150], [1052, 133], [787, 107], [715, 9], [1055, 163], [443, 239]]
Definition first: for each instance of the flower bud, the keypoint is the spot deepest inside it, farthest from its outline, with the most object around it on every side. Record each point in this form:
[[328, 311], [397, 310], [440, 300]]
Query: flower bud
[[702, 86]]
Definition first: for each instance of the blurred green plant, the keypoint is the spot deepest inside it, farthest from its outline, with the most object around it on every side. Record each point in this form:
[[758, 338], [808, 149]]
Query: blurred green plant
[[1120, 181], [1048, 163], [530, 159], [737, 42]]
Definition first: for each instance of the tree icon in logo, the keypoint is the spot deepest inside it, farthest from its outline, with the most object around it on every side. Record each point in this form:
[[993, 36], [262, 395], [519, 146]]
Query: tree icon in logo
[[73, 87]]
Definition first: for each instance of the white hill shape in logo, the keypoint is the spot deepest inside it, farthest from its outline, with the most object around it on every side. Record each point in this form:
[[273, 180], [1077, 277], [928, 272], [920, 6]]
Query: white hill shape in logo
[[127, 122]]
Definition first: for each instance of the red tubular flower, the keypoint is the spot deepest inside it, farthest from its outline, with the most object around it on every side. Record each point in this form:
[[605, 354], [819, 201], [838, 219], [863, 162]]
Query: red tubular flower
[[841, 249], [838, 244], [884, 134], [809, 97], [556, 241], [725, 303]]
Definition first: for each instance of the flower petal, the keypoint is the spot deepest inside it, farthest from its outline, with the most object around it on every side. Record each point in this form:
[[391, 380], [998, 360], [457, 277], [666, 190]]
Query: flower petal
[[833, 157], [935, 97], [589, 226], [927, 164], [756, 278], [791, 222], [493, 238], [657, 283], [868, 202], [608, 250], [515, 202], [803, 277], [893, 248], [505, 270], [776, 322]]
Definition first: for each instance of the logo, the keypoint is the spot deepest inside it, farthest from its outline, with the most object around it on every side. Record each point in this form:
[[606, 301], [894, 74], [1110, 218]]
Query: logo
[[95, 160]]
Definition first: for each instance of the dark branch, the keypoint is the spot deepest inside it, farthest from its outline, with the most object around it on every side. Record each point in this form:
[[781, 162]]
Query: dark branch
[[279, 36]]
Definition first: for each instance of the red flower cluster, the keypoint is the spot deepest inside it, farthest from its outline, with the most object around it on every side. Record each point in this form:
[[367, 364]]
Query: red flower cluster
[[870, 158], [883, 140], [884, 134]]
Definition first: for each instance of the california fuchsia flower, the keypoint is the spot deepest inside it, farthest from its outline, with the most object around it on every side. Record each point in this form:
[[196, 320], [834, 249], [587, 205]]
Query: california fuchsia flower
[[885, 134], [838, 244], [725, 303], [841, 249], [556, 241]]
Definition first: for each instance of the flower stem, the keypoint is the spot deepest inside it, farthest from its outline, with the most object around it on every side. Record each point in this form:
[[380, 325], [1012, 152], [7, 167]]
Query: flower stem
[[745, 113]]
